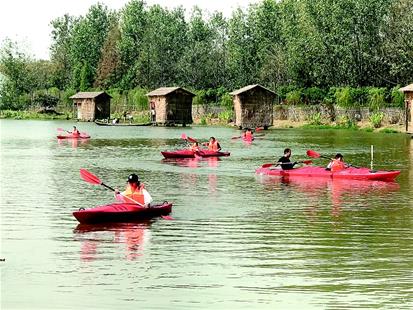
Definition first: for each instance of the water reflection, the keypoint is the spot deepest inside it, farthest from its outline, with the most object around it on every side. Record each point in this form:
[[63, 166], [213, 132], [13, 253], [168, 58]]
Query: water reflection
[[339, 192], [72, 142], [135, 237], [196, 162]]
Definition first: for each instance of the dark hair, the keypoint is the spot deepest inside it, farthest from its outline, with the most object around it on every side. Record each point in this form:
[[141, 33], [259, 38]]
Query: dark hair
[[213, 138], [133, 178], [287, 150], [338, 155]]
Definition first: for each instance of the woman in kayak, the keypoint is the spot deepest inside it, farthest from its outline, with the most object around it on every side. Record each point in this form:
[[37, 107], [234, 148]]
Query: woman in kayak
[[285, 161], [134, 193], [336, 164], [213, 145], [75, 132]]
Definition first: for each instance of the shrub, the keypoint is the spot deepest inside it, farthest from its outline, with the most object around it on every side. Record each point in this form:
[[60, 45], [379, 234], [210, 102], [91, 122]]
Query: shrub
[[315, 119], [225, 116], [376, 98], [343, 97], [376, 119], [346, 122], [314, 95], [397, 97], [294, 97]]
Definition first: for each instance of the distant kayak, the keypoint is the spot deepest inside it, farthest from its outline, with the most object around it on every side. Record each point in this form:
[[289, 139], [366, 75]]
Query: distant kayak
[[178, 154], [320, 172], [70, 136], [121, 212], [207, 153]]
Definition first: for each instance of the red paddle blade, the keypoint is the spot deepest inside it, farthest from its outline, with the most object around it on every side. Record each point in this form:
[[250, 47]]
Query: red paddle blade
[[167, 217], [60, 129], [183, 136], [266, 165], [258, 129], [89, 177], [192, 140], [307, 162], [313, 154]]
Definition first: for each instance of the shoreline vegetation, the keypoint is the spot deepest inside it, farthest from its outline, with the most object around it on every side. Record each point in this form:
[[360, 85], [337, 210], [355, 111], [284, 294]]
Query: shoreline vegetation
[[214, 120], [318, 56]]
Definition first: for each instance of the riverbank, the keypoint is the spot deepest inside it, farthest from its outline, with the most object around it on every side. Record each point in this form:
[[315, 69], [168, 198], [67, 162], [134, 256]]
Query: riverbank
[[389, 121]]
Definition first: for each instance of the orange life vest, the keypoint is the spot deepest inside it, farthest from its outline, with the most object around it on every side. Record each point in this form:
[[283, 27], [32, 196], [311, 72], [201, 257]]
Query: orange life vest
[[213, 146], [75, 133], [337, 165], [136, 195]]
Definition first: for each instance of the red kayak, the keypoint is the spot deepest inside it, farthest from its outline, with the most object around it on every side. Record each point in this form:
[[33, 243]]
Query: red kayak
[[70, 136], [207, 153], [121, 212], [179, 154], [320, 172]]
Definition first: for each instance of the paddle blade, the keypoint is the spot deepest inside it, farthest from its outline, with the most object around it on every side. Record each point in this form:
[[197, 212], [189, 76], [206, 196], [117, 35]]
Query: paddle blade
[[307, 162], [167, 217], [60, 129], [266, 165], [89, 177], [237, 137], [313, 154], [192, 140], [183, 136]]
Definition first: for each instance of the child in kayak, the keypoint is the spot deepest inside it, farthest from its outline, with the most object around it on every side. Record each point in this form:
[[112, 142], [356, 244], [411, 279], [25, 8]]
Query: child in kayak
[[336, 164], [248, 135], [134, 192], [75, 132], [285, 161], [194, 147], [213, 145]]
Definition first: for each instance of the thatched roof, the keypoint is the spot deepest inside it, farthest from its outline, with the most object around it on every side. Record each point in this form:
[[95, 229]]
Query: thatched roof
[[247, 88], [163, 91], [89, 95], [407, 88]]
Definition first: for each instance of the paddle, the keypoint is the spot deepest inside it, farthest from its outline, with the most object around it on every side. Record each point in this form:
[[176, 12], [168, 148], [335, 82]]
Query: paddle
[[92, 179], [61, 129], [184, 137], [314, 154], [306, 162]]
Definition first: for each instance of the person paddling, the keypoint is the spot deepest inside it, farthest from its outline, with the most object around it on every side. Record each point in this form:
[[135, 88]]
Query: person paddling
[[213, 145], [194, 147], [248, 135], [75, 132], [134, 192], [337, 163], [285, 161]]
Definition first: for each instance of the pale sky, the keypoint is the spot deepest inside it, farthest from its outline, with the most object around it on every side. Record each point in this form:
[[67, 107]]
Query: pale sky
[[27, 21]]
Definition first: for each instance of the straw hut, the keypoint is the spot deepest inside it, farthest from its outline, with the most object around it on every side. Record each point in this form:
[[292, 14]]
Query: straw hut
[[170, 106], [408, 100], [253, 105], [91, 105]]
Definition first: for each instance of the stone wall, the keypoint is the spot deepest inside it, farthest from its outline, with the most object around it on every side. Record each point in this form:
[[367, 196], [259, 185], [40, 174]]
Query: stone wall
[[331, 113]]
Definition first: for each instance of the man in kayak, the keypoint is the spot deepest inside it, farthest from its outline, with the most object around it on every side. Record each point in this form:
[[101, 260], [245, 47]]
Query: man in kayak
[[285, 161], [213, 145], [336, 164], [134, 193], [75, 132]]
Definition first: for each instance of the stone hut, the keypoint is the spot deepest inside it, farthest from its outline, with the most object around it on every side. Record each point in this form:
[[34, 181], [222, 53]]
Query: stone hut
[[253, 106], [89, 106], [408, 103], [170, 106]]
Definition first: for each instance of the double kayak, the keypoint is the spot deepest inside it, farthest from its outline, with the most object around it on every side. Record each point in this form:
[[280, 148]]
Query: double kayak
[[70, 136], [192, 154], [121, 212], [350, 173]]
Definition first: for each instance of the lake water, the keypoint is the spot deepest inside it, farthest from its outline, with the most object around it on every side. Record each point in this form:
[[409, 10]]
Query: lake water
[[237, 240]]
